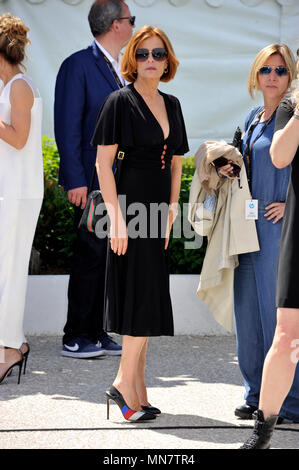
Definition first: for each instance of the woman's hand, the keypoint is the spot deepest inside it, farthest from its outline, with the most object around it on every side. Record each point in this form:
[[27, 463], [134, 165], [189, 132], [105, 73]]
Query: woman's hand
[[275, 211], [226, 170], [119, 236], [172, 213], [118, 228]]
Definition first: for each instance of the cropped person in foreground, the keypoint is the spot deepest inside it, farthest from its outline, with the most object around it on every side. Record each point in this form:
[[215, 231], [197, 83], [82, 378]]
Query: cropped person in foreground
[[21, 188]]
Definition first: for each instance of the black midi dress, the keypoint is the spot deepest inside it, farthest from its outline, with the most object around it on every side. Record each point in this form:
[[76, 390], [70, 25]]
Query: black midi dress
[[137, 300], [287, 294]]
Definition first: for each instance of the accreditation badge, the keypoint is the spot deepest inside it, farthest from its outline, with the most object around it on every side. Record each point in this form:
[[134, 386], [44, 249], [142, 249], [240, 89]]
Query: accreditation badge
[[251, 209]]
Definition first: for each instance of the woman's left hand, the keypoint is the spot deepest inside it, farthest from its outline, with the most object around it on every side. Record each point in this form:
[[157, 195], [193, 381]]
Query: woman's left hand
[[275, 211], [172, 213]]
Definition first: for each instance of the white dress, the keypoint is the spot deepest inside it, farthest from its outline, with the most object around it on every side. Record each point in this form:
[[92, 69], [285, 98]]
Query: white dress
[[21, 193]]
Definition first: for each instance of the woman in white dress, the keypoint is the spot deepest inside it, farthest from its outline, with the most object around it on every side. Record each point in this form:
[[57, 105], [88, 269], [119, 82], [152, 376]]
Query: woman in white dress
[[21, 188]]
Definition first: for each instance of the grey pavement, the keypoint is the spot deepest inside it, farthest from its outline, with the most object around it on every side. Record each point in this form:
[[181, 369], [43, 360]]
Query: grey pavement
[[60, 403]]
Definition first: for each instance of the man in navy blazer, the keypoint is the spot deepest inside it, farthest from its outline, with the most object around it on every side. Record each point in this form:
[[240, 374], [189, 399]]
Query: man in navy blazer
[[84, 81]]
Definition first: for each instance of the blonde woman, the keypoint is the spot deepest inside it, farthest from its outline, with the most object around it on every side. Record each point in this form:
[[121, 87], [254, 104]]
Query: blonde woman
[[21, 188], [279, 374], [271, 73]]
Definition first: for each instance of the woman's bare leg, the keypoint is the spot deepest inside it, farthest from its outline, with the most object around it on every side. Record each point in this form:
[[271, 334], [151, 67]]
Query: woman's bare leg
[[140, 379], [280, 363], [8, 357], [126, 378]]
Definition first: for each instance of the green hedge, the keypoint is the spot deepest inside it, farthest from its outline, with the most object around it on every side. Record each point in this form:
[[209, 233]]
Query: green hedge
[[182, 260], [54, 235]]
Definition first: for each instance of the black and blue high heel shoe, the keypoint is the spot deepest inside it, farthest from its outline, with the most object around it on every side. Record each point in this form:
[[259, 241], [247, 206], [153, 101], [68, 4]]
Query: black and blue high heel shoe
[[151, 409], [129, 414]]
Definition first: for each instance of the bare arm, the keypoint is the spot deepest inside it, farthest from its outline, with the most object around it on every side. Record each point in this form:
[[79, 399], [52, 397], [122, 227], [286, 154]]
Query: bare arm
[[285, 143], [118, 229], [176, 177], [21, 100]]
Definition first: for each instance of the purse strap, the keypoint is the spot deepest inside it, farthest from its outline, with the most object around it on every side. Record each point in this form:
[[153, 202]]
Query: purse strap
[[118, 164]]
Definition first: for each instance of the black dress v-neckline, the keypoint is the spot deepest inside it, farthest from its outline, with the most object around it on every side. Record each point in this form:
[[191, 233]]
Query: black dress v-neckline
[[145, 105]]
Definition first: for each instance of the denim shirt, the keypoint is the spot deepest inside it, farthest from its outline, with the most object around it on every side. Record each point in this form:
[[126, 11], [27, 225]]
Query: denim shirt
[[267, 182]]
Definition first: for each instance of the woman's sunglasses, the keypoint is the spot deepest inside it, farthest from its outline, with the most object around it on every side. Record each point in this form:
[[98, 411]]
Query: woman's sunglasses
[[280, 71], [159, 54]]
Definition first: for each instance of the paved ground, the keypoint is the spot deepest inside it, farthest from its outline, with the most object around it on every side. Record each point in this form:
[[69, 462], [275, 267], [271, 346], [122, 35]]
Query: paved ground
[[60, 403]]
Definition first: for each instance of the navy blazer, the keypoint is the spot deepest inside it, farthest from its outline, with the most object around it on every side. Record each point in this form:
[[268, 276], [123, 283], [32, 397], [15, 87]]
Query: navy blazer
[[83, 82]]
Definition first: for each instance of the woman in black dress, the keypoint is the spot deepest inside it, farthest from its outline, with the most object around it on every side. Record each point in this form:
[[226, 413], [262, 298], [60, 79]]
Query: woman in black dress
[[148, 126], [282, 358]]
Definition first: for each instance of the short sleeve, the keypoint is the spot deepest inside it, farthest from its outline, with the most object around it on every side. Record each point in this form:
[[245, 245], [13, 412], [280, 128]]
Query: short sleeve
[[112, 125], [283, 114], [183, 146]]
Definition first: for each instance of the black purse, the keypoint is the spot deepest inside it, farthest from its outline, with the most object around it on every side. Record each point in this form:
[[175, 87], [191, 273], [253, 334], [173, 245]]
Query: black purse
[[95, 210], [237, 142], [237, 139]]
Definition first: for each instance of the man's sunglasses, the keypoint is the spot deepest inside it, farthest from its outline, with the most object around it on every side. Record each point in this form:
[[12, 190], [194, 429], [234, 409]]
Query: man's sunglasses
[[130, 18], [280, 71], [159, 54]]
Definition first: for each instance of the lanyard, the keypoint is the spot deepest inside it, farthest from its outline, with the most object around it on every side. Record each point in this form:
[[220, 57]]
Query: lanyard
[[249, 146], [112, 69]]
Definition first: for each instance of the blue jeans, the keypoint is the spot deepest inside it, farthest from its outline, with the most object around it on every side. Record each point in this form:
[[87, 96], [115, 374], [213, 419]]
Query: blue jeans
[[255, 312]]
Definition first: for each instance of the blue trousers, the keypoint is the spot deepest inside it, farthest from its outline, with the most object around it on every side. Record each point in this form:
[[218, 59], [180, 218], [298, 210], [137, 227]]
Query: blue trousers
[[255, 312]]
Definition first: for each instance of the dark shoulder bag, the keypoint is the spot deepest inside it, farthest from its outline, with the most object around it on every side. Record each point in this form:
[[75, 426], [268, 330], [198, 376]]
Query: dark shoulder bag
[[93, 211]]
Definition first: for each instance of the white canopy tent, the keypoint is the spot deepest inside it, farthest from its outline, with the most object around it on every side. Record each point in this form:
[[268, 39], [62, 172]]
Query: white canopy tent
[[215, 41]]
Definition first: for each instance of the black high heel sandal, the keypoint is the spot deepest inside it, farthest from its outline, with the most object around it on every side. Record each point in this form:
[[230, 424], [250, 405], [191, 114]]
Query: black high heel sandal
[[25, 356], [129, 414], [9, 370]]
